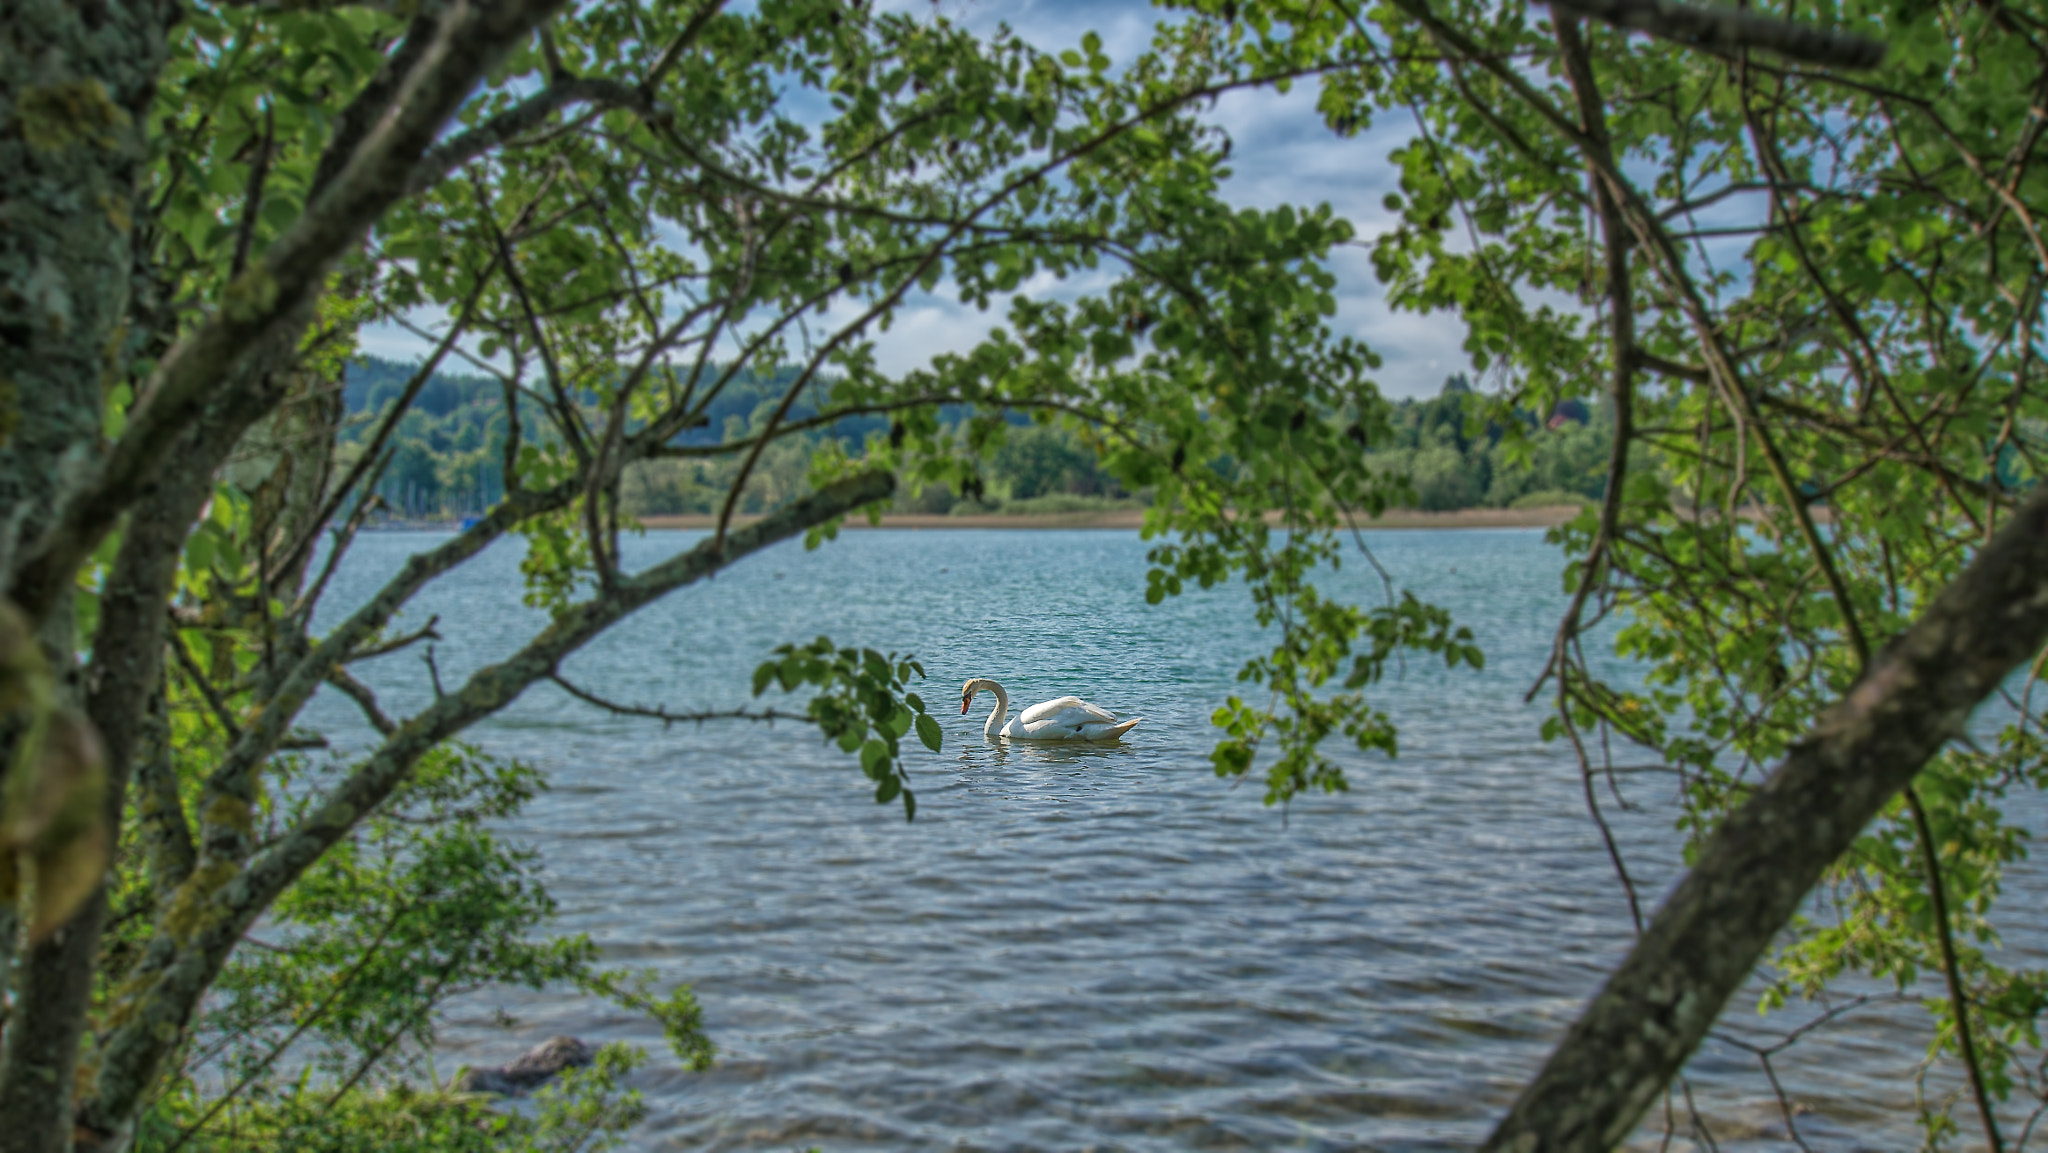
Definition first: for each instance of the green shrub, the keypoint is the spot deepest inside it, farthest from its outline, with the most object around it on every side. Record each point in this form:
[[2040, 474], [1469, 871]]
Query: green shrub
[[319, 1032], [580, 1111]]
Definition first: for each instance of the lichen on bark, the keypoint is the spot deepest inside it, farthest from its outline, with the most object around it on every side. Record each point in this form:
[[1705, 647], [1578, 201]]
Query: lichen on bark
[[75, 84]]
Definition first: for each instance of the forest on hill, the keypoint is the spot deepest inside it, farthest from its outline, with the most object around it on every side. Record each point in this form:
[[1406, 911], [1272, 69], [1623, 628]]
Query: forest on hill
[[1459, 449]]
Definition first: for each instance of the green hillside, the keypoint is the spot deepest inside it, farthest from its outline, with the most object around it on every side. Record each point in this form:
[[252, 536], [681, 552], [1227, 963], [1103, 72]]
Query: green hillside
[[1459, 449]]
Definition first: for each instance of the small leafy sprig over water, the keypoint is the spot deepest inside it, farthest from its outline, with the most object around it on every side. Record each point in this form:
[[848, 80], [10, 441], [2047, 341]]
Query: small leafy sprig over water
[[865, 704], [1318, 638]]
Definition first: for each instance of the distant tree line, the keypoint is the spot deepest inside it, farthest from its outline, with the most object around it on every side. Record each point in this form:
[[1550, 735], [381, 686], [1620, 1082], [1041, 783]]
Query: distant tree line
[[1462, 449], [1459, 449], [447, 453]]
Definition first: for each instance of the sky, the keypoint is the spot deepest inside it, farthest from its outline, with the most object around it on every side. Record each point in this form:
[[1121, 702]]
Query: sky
[[1281, 153]]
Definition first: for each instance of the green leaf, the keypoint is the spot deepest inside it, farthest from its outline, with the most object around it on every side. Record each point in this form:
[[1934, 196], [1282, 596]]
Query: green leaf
[[874, 758], [1232, 758], [929, 732], [898, 721]]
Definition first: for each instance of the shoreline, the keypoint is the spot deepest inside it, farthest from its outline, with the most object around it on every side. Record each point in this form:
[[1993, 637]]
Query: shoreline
[[1122, 519], [1130, 520]]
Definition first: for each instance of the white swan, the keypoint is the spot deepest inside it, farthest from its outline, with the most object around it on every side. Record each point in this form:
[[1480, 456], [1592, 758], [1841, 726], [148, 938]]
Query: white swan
[[1065, 719]]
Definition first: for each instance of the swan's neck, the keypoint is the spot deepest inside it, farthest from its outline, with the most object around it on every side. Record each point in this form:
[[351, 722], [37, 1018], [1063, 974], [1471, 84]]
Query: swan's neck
[[995, 719]]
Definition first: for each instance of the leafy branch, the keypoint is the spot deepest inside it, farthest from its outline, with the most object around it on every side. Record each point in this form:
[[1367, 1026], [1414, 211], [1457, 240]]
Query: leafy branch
[[864, 705]]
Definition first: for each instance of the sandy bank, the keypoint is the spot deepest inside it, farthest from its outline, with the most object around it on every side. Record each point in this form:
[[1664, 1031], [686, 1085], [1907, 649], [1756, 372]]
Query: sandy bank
[[1131, 519]]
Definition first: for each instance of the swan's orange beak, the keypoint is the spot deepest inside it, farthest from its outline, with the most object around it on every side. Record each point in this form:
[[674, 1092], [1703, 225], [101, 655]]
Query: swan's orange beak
[[964, 702]]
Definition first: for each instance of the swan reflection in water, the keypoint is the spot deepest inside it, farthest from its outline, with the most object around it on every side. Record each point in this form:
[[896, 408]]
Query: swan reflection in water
[[995, 752]]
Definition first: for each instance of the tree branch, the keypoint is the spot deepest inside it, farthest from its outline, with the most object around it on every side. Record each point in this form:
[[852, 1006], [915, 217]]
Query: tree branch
[[1669, 264], [1658, 364], [1958, 1003], [657, 713], [1616, 241], [1754, 871], [166, 832], [222, 714], [1730, 30], [155, 1011], [424, 632], [464, 147], [371, 454], [365, 700]]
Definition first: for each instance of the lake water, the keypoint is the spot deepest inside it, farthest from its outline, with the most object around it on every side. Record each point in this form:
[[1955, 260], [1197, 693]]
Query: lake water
[[1087, 948]]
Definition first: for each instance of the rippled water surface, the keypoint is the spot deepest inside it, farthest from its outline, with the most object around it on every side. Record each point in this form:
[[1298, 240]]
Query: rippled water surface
[[1084, 948]]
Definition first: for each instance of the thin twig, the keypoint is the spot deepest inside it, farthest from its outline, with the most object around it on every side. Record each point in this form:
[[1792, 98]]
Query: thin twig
[[769, 716], [1959, 1006], [341, 986], [424, 632], [370, 456], [433, 993], [214, 703], [365, 700]]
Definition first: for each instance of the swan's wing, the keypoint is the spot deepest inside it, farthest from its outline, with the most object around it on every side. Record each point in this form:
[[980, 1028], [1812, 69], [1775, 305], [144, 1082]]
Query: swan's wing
[[1064, 728], [1051, 730], [1091, 714], [1108, 731], [1051, 709]]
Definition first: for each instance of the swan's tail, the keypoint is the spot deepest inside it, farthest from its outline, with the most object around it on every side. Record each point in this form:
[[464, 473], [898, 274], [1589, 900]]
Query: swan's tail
[[1116, 731]]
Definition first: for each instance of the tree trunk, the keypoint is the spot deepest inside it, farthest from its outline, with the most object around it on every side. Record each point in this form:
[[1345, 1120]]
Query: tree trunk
[[56, 976], [77, 82], [1756, 869], [76, 85]]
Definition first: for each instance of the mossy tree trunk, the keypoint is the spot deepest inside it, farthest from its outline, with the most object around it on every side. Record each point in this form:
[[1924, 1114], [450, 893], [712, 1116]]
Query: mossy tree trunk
[[77, 82]]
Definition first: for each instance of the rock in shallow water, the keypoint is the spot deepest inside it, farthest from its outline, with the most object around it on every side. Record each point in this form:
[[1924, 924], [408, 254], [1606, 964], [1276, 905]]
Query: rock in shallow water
[[540, 1063]]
